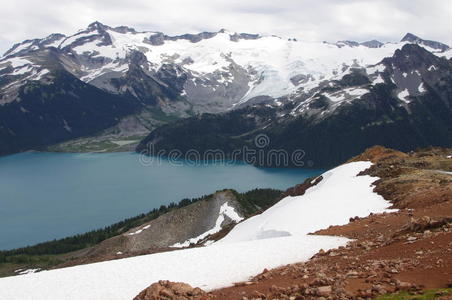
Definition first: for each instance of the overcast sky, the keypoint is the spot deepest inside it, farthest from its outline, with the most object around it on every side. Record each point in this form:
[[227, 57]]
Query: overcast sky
[[331, 20]]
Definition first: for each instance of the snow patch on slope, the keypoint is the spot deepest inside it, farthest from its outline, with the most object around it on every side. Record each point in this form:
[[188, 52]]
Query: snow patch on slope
[[225, 211], [69, 40], [347, 94], [380, 68], [26, 271], [112, 67], [447, 54], [139, 230], [17, 62], [403, 95], [340, 195], [21, 47], [421, 88], [378, 80]]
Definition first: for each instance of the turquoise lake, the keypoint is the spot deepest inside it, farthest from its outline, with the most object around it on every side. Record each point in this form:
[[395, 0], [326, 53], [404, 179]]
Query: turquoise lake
[[45, 196]]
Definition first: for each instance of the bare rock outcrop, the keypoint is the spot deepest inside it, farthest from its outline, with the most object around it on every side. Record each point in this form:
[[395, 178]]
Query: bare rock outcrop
[[171, 290]]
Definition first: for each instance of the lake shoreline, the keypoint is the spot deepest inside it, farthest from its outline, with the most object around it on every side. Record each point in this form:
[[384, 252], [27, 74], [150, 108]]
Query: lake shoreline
[[72, 193]]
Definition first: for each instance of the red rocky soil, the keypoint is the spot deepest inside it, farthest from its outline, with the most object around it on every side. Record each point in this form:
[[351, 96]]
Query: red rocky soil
[[409, 250]]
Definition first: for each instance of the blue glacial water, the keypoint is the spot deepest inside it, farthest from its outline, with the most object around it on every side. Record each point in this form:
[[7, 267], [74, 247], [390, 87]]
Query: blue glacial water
[[44, 196]]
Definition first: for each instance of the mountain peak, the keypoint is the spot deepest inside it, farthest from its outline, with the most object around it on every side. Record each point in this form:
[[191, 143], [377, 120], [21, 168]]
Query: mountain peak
[[409, 37], [368, 44], [372, 44], [124, 29], [97, 25]]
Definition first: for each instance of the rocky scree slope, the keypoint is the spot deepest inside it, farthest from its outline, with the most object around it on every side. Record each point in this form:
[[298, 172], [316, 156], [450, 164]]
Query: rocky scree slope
[[182, 227]]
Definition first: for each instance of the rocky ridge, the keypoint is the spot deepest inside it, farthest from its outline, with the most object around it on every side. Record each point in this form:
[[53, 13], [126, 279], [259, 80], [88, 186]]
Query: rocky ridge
[[178, 228]]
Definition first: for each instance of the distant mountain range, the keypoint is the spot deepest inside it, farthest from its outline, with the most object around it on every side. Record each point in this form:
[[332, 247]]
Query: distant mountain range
[[404, 101], [302, 94]]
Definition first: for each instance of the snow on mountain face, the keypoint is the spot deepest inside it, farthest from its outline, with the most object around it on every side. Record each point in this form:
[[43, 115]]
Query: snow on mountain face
[[277, 237], [52, 40], [271, 63], [14, 72], [410, 71], [219, 70]]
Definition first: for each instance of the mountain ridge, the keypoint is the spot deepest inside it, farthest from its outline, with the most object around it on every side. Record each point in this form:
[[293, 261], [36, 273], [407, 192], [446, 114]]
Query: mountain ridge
[[195, 37], [179, 76], [409, 37], [407, 95]]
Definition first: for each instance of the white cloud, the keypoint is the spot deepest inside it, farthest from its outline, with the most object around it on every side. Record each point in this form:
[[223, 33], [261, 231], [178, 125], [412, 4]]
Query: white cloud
[[331, 20]]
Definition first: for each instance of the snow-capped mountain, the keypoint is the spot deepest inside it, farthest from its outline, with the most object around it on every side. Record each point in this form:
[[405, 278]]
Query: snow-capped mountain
[[403, 102], [181, 75], [213, 71]]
